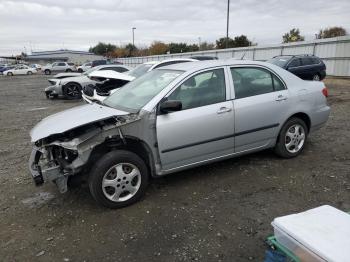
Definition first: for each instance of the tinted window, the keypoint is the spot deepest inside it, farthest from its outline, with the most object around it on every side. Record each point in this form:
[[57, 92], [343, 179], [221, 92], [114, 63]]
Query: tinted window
[[294, 63], [61, 64], [306, 61], [315, 60], [251, 81], [203, 89], [71, 64]]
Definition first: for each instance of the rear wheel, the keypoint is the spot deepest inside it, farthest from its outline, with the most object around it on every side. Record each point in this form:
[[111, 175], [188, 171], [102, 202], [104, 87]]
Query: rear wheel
[[316, 77], [47, 72], [118, 179], [80, 70], [292, 138], [69, 70], [72, 91], [10, 74], [29, 73]]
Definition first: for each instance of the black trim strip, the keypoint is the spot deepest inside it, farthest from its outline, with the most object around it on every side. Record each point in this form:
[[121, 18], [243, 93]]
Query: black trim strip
[[220, 138]]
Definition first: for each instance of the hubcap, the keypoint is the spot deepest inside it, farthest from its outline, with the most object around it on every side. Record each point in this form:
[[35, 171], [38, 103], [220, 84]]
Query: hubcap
[[73, 90], [121, 182], [295, 138], [316, 78]]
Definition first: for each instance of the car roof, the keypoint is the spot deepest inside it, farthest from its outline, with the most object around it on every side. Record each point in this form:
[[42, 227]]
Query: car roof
[[199, 65]]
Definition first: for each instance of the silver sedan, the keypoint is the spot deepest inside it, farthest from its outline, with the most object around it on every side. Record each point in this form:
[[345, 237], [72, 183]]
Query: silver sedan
[[174, 118]]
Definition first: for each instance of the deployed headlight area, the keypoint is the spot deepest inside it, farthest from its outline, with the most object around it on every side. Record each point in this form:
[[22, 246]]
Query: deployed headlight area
[[59, 156]]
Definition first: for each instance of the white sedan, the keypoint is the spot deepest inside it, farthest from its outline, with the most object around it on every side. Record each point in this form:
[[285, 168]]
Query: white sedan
[[20, 70]]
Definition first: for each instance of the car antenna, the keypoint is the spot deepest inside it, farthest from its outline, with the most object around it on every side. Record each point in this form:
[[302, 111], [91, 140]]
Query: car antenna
[[243, 56]]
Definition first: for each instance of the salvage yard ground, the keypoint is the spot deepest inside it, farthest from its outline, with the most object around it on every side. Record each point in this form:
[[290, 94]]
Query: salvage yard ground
[[219, 212]]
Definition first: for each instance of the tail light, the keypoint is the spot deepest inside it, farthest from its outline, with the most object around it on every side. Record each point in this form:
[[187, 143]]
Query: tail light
[[325, 92]]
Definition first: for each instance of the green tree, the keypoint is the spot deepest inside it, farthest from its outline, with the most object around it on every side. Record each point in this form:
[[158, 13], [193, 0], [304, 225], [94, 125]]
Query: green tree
[[182, 48], [238, 41], [102, 48], [331, 32], [206, 46], [292, 36]]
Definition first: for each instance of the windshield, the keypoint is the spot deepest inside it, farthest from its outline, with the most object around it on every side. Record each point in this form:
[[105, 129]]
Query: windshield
[[140, 70], [91, 70], [280, 61], [136, 94]]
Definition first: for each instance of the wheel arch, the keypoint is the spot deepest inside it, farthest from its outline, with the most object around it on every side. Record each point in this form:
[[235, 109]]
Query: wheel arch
[[301, 115], [128, 143]]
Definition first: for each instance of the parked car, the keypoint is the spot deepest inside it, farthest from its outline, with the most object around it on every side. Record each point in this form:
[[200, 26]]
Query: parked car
[[20, 70], [58, 66], [93, 93], [5, 68], [36, 66], [204, 57], [174, 118], [307, 67], [70, 87], [84, 67]]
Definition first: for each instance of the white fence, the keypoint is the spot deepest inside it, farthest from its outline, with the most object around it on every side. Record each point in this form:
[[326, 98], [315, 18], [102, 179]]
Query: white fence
[[335, 52]]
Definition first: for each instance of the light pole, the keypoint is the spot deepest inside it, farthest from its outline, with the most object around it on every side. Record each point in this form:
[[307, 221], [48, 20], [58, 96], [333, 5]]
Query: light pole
[[133, 37], [228, 18]]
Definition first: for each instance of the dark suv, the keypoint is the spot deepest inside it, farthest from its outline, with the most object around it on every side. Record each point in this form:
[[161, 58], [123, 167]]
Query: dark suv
[[307, 67]]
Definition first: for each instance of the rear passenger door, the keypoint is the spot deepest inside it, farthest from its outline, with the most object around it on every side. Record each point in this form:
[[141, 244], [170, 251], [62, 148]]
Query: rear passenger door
[[260, 105], [294, 66]]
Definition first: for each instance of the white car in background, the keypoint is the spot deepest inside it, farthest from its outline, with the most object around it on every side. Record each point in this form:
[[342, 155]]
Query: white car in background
[[36, 66], [84, 67], [59, 66], [20, 70], [70, 87], [97, 92]]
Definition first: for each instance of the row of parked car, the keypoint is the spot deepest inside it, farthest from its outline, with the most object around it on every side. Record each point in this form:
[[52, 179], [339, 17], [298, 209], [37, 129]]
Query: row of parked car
[[169, 116]]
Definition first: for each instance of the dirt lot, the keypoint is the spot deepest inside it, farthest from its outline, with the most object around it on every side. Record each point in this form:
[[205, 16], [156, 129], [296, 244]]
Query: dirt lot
[[220, 212]]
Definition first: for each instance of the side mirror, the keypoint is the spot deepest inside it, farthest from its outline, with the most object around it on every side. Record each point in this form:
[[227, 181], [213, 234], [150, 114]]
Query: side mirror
[[170, 106]]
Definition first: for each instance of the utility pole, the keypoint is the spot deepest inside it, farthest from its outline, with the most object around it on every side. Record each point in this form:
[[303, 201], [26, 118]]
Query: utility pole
[[133, 36], [199, 43], [228, 18]]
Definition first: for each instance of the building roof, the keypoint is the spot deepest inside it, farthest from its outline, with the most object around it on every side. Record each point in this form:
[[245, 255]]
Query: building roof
[[61, 51]]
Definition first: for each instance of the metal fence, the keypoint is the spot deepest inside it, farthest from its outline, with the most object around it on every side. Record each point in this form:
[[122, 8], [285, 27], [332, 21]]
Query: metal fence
[[335, 52]]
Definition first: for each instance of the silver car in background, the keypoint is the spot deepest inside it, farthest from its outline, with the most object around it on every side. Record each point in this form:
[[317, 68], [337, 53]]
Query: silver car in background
[[174, 118]]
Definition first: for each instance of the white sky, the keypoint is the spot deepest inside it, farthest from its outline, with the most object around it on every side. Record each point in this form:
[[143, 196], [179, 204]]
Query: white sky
[[79, 24]]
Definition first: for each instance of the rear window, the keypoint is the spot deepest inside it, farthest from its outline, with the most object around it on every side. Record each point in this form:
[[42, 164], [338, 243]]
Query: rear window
[[306, 61], [71, 64], [295, 62]]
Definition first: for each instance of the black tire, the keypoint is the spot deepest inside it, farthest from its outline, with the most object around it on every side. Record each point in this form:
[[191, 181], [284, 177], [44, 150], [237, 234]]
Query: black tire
[[10, 74], [80, 70], [72, 91], [102, 167], [47, 72], [280, 147], [69, 70], [316, 77], [29, 73]]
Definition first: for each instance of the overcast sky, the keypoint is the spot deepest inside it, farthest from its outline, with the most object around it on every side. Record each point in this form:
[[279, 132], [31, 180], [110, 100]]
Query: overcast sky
[[79, 24]]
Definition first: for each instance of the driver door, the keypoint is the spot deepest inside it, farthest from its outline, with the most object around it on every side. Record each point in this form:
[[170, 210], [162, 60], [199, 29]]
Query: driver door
[[204, 128]]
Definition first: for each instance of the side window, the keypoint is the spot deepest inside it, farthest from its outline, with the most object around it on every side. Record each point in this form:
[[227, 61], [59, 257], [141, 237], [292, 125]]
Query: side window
[[294, 63], [54, 64], [61, 64], [306, 61], [277, 84], [251, 81], [202, 89]]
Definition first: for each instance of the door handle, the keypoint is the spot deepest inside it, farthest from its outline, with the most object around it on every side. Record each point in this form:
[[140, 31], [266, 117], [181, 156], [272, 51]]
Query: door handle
[[223, 110], [281, 98]]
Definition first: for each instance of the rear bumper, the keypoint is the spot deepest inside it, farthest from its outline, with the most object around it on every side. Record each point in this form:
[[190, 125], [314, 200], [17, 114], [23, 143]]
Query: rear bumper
[[320, 118]]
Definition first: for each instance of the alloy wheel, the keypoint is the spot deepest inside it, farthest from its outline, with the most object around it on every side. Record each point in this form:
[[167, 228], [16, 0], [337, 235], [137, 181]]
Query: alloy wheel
[[295, 138], [121, 182]]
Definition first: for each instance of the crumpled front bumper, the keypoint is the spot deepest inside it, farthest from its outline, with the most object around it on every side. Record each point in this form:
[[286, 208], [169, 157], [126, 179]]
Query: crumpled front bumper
[[54, 90], [40, 174]]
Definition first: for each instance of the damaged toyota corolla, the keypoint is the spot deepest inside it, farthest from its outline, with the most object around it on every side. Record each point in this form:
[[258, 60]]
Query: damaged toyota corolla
[[175, 118]]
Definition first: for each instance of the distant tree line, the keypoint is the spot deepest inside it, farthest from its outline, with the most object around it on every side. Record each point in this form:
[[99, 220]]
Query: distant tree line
[[160, 48]]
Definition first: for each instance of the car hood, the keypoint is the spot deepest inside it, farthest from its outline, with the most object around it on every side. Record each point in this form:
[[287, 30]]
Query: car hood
[[64, 75], [72, 118], [110, 74]]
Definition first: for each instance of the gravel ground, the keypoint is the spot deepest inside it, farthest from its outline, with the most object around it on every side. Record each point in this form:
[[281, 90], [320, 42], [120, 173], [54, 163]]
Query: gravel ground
[[219, 212]]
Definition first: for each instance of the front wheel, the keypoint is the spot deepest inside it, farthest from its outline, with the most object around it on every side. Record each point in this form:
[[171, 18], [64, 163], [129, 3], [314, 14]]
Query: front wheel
[[72, 91], [292, 138], [47, 72], [69, 70], [118, 179], [29, 73], [10, 74]]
